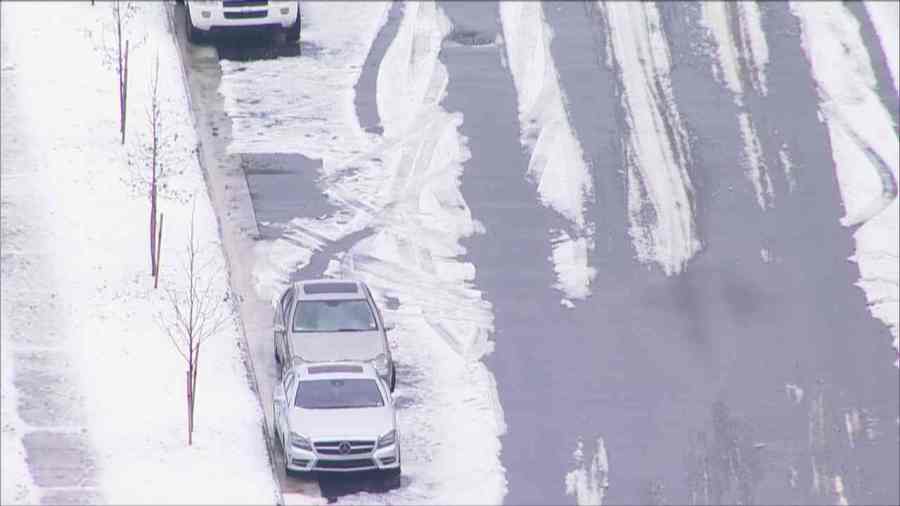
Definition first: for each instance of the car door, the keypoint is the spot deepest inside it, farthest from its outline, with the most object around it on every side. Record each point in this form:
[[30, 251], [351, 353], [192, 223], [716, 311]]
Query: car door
[[280, 320], [281, 405]]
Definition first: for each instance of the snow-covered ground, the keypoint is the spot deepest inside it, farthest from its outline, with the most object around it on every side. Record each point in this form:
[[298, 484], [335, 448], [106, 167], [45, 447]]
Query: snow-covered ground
[[403, 187], [557, 164], [660, 192], [93, 212], [865, 148]]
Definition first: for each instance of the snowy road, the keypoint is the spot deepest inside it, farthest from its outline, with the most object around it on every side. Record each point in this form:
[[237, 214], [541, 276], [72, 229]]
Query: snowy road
[[650, 239]]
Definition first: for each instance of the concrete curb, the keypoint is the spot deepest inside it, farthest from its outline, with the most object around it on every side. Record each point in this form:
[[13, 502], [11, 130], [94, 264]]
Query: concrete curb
[[254, 231]]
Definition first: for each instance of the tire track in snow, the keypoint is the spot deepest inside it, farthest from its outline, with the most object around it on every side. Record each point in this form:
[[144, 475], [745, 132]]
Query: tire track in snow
[[718, 19], [866, 160], [557, 163], [451, 411], [660, 192]]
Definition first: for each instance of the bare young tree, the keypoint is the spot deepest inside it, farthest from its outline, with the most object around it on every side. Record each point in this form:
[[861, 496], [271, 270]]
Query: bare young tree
[[195, 312], [153, 117], [120, 19], [114, 53]]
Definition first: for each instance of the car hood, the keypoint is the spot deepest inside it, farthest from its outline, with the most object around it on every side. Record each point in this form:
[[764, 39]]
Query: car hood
[[319, 424], [334, 346]]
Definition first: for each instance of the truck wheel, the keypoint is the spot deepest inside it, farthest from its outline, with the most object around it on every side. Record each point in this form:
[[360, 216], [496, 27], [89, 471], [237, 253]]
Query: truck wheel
[[293, 32], [193, 35]]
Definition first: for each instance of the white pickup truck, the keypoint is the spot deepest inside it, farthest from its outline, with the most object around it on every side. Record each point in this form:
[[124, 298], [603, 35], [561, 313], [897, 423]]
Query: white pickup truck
[[204, 16]]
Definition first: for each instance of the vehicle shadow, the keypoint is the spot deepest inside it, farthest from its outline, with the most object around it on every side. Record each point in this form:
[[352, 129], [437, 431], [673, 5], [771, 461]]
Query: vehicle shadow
[[335, 485]]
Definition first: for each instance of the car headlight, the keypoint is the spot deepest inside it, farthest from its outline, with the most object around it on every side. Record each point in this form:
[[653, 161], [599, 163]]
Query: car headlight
[[298, 441], [387, 439], [381, 365]]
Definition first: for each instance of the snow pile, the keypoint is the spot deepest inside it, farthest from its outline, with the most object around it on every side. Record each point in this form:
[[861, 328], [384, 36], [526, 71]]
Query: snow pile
[[885, 17], [660, 192], [403, 186], [443, 323], [865, 150], [589, 483], [557, 161], [715, 17], [96, 213]]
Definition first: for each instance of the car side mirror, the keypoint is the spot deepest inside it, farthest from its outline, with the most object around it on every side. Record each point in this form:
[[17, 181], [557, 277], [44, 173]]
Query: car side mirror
[[389, 326]]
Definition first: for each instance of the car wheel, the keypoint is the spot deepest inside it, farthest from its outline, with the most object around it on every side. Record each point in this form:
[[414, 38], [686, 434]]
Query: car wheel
[[275, 346], [193, 35], [292, 34], [391, 478]]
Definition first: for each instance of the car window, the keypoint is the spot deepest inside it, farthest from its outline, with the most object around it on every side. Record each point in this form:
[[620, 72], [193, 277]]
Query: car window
[[338, 393], [333, 316]]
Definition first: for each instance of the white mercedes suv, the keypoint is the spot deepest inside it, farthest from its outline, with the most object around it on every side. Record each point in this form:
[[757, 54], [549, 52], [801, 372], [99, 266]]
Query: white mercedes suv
[[204, 16], [336, 417]]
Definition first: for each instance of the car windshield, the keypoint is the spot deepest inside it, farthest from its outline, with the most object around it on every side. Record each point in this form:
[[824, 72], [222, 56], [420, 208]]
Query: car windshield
[[338, 393], [333, 316]]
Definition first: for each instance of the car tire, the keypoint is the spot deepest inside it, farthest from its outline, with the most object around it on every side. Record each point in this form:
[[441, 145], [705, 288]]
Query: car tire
[[194, 35], [391, 478], [275, 346], [292, 33]]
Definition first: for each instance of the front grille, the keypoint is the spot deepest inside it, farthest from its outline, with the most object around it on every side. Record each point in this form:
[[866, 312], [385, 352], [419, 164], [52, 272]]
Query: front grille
[[333, 447], [245, 3], [345, 464], [246, 14]]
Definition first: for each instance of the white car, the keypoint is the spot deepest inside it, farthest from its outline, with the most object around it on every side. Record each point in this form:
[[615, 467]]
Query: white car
[[336, 417], [204, 16], [332, 320]]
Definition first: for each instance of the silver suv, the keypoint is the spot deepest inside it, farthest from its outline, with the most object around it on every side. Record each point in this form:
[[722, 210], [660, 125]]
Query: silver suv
[[328, 320], [336, 417]]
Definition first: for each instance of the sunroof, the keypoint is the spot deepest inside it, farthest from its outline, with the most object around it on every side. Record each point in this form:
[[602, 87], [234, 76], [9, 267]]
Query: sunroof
[[322, 369], [336, 287]]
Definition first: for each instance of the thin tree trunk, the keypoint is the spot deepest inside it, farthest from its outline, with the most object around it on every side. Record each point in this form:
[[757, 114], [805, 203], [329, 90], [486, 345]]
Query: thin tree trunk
[[189, 408], [125, 92], [194, 385], [158, 249]]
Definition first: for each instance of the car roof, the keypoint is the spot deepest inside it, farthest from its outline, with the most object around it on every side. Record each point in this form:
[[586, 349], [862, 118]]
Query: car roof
[[329, 289], [334, 370]]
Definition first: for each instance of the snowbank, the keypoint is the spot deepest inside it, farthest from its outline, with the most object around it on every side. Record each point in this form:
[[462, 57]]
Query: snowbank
[[865, 150], [557, 161], [454, 415], [403, 186], [97, 212], [885, 17], [660, 192]]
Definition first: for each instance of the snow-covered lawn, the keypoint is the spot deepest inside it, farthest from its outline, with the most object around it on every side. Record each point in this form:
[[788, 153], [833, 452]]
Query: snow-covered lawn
[[95, 218]]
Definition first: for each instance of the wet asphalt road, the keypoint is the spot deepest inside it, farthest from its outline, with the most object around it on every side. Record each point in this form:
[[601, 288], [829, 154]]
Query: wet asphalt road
[[685, 376]]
